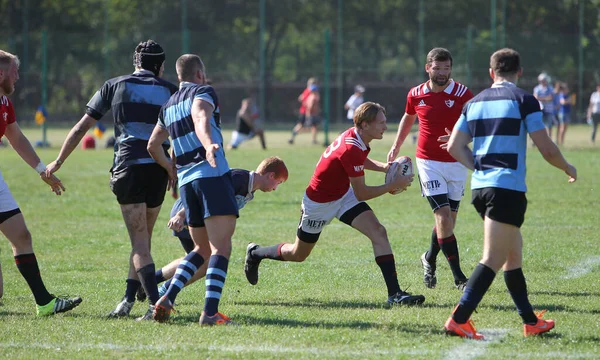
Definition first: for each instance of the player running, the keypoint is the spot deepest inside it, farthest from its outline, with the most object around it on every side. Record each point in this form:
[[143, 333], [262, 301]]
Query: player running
[[337, 189], [438, 103]]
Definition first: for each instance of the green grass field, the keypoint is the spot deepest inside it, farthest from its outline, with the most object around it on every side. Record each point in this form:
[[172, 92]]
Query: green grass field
[[332, 305]]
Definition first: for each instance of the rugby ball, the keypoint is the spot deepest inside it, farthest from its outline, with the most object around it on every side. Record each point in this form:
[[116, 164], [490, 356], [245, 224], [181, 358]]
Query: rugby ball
[[402, 166]]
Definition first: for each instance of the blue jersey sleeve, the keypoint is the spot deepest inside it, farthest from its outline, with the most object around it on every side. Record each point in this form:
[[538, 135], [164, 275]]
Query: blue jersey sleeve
[[100, 103], [207, 93], [532, 114], [462, 124]]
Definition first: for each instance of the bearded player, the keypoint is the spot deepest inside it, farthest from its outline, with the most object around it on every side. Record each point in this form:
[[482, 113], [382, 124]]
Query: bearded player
[[438, 103], [12, 222], [338, 190]]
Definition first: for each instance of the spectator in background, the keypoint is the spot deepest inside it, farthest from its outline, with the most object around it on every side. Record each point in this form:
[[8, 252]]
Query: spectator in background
[[246, 124], [565, 101], [593, 112], [354, 101], [544, 94], [310, 110]]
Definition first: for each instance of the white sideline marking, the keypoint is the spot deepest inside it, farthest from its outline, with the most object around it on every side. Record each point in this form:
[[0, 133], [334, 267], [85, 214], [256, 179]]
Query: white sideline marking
[[471, 349], [468, 350], [583, 267], [273, 349]]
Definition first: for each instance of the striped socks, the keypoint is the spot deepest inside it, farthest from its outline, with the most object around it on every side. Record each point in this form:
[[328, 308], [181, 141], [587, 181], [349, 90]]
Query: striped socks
[[215, 280]]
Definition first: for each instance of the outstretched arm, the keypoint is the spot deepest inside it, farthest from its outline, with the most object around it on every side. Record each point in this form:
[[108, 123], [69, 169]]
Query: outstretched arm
[[23, 147], [71, 142], [552, 154]]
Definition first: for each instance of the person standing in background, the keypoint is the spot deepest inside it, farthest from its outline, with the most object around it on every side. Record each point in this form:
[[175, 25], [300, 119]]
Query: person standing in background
[[593, 112], [544, 94], [566, 101], [308, 99], [354, 101]]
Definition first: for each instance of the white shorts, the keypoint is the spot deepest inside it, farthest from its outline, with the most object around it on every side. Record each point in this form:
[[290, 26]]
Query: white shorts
[[316, 215], [438, 178], [237, 138], [7, 202]]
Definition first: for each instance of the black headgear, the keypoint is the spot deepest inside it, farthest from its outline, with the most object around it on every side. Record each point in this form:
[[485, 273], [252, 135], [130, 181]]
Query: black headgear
[[149, 55]]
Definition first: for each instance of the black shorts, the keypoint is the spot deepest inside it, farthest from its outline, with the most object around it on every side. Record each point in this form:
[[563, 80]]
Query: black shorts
[[143, 183], [438, 201], [502, 205]]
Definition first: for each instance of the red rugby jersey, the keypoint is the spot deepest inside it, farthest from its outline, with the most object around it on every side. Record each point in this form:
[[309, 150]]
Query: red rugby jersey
[[436, 111], [343, 159], [7, 114]]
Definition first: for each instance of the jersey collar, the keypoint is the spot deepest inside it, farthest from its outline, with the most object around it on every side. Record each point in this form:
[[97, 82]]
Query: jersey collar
[[447, 90], [185, 83], [503, 84], [143, 72], [360, 140], [251, 182]]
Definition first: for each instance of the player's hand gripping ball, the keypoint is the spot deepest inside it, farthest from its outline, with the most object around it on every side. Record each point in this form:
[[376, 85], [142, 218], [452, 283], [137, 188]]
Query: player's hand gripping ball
[[402, 166]]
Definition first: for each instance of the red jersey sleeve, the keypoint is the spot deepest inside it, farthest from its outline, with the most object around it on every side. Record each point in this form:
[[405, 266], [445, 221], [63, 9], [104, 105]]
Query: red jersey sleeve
[[410, 107], [11, 113], [353, 161]]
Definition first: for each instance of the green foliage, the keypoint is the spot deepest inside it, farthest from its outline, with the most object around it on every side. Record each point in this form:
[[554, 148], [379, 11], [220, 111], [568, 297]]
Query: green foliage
[[380, 41]]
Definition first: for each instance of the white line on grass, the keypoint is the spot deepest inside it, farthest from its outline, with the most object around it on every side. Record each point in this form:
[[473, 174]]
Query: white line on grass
[[238, 349], [583, 267], [471, 349]]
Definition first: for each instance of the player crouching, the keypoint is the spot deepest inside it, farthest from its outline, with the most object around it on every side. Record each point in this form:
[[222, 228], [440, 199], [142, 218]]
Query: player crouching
[[330, 195]]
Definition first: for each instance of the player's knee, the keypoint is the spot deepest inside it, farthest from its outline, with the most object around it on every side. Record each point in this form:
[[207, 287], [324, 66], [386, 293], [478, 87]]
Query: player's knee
[[444, 218], [23, 240], [222, 249], [202, 251], [297, 256], [378, 234]]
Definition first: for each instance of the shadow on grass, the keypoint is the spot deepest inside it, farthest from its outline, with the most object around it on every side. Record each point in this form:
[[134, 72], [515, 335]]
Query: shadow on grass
[[548, 307], [311, 303], [417, 329], [565, 293]]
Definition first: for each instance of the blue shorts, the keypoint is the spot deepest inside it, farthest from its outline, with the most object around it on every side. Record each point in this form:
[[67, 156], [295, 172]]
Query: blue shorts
[[206, 197]]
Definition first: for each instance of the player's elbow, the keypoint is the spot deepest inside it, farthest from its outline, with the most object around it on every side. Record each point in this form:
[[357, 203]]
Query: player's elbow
[[453, 149], [152, 148], [549, 151]]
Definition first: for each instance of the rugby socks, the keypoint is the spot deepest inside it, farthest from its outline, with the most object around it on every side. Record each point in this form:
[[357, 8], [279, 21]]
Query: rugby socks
[[478, 285], [387, 264], [186, 269], [29, 269], [159, 276], [268, 252], [147, 278], [434, 249], [163, 288], [450, 249], [215, 280], [517, 287], [131, 289]]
